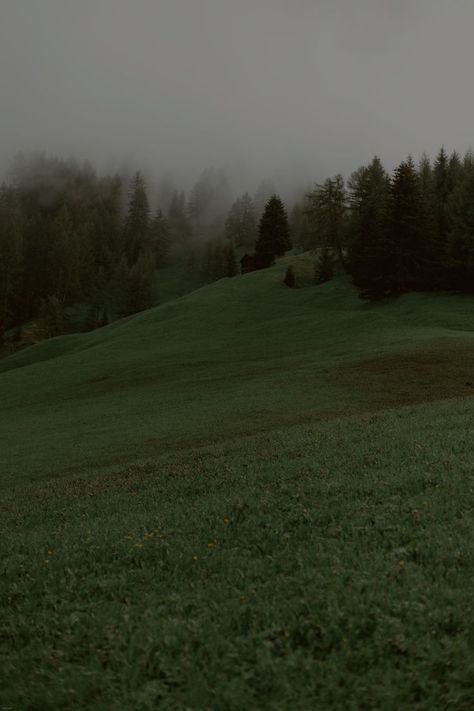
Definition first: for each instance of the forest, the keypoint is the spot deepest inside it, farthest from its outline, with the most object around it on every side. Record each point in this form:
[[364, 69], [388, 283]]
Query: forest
[[79, 250]]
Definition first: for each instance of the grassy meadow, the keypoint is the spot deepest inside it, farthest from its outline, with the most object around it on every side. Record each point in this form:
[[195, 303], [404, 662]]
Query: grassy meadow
[[249, 497]]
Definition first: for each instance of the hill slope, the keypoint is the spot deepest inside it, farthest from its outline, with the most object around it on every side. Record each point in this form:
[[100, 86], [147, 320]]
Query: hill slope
[[250, 497], [235, 357]]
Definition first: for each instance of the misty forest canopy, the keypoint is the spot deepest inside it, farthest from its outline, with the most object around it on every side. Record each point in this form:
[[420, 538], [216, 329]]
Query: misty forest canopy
[[78, 250]]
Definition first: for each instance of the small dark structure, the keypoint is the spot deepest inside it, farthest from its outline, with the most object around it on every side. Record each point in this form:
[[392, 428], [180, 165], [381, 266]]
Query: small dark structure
[[247, 263]]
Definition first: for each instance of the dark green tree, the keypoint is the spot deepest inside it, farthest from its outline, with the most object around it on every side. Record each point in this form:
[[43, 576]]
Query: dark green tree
[[407, 245], [327, 208], [273, 233], [459, 255], [368, 261], [137, 222]]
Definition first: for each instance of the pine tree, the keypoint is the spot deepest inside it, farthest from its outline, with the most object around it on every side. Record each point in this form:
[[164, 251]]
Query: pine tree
[[459, 257], [273, 233], [441, 190], [137, 223], [406, 232], [327, 208], [368, 261]]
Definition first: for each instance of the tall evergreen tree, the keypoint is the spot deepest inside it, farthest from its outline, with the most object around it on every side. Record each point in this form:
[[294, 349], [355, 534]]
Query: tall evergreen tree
[[406, 232], [368, 252], [327, 208], [459, 256], [273, 233], [441, 191], [136, 230]]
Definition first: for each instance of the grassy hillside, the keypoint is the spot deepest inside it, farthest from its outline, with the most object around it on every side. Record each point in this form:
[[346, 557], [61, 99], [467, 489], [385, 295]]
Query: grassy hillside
[[249, 497]]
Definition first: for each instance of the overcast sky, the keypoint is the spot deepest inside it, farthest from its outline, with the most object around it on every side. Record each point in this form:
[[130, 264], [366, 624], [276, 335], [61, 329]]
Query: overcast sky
[[290, 88]]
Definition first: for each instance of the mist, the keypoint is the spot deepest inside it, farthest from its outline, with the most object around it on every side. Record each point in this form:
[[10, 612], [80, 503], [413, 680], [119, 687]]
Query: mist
[[293, 91]]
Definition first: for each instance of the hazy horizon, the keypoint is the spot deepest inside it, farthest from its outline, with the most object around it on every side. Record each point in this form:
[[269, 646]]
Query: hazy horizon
[[257, 87]]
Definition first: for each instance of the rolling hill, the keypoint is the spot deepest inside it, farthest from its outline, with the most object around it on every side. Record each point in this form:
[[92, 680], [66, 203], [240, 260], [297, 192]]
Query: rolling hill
[[247, 497]]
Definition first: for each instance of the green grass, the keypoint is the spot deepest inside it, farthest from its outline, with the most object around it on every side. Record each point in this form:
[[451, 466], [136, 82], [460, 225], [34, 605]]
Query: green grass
[[248, 497]]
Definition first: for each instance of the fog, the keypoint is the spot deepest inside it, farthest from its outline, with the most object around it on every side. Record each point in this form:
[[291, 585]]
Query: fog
[[293, 90]]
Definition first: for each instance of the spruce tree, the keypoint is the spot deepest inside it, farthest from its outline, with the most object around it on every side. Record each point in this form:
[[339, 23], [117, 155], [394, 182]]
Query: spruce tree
[[273, 233], [368, 261], [406, 232], [137, 223], [459, 253], [327, 208]]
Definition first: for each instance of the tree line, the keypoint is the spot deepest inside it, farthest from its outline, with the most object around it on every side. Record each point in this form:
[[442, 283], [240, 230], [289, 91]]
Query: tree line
[[84, 249], [70, 239], [409, 231]]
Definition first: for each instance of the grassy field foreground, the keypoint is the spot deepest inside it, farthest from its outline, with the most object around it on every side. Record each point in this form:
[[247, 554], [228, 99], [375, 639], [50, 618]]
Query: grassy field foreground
[[250, 497]]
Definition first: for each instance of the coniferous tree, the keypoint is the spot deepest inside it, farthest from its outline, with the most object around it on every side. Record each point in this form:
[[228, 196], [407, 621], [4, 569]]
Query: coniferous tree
[[273, 233], [137, 223], [327, 208], [459, 253], [406, 232], [441, 192], [368, 248]]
